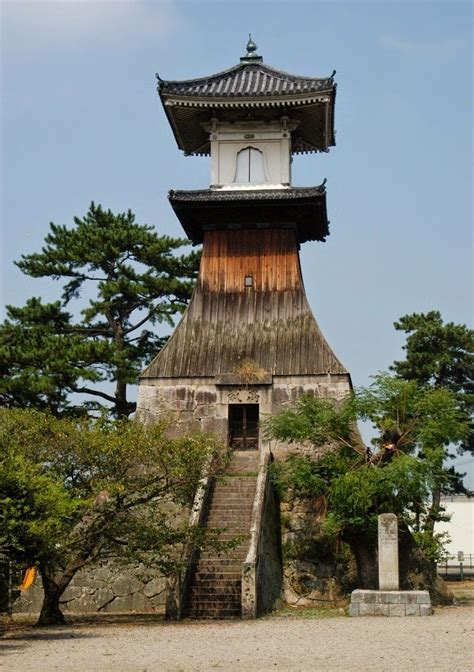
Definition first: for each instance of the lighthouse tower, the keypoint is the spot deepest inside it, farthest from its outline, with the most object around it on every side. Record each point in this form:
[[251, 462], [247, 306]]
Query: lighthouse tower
[[248, 343], [249, 308]]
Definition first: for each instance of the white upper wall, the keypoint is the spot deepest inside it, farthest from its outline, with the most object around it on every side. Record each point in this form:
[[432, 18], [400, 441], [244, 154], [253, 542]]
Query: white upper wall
[[461, 525], [268, 161]]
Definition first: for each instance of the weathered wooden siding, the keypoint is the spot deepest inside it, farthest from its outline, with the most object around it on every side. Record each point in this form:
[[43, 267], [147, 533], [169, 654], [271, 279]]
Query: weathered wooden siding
[[225, 322], [270, 256]]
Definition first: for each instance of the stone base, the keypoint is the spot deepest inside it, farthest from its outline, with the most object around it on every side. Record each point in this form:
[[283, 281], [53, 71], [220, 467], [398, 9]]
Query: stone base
[[390, 603]]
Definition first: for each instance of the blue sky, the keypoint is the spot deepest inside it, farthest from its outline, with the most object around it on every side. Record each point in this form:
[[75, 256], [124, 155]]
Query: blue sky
[[81, 121]]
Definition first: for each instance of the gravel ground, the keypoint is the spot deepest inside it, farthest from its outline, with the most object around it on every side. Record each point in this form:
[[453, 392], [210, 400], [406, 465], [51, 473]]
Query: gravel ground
[[440, 642]]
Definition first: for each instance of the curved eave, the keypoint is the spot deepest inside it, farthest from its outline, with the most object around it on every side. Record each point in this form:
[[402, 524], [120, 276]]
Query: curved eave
[[300, 208], [315, 112], [247, 101]]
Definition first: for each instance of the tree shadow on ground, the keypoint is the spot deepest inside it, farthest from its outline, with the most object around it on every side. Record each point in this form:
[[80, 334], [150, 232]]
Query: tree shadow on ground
[[24, 627]]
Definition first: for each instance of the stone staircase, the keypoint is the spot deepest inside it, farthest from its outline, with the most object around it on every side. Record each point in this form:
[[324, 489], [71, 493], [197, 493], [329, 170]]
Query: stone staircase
[[215, 589]]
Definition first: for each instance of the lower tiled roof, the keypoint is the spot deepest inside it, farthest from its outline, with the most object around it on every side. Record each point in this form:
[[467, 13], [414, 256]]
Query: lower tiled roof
[[300, 208]]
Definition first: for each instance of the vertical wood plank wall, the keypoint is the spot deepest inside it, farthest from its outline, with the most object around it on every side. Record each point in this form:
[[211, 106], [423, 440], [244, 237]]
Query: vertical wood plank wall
[[269, 256]]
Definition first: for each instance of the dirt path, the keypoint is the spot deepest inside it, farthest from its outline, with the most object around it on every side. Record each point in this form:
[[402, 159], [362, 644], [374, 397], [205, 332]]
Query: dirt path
[[442, 642]]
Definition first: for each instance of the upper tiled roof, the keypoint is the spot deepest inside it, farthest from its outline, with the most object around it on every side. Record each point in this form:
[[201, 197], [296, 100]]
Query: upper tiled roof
[[247, 80], [270, 93]]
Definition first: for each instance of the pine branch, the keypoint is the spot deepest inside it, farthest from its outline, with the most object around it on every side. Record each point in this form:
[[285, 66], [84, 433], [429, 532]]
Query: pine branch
[[96, 393]]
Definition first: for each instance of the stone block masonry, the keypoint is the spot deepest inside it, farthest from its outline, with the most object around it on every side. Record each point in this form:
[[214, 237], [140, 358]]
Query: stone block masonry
[[390, 603], [106, 589]]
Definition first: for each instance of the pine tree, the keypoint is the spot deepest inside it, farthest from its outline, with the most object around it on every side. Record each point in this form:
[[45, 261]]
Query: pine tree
[[130, 280]]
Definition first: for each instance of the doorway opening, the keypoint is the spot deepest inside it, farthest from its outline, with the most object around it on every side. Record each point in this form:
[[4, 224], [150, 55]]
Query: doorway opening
[[243, 426]]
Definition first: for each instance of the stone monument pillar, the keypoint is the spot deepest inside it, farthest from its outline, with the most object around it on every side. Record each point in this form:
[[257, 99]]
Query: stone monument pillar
[[388, 552], [389, 600]]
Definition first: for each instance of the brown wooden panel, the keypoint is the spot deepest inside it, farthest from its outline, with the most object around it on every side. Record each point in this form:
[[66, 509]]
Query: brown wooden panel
[[269, 256]]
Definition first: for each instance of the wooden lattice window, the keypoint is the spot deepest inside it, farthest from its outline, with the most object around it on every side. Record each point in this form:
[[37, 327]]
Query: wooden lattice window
[[243, 426]]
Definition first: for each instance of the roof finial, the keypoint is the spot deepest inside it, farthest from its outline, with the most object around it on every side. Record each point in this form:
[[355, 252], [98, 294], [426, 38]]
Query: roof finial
[[251, 46], [251, 56]]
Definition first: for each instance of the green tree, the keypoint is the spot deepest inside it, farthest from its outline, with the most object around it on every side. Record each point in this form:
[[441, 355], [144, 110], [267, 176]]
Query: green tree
[[43, 359], [136, 281], [413, 425], [440, 355], [76, 491]]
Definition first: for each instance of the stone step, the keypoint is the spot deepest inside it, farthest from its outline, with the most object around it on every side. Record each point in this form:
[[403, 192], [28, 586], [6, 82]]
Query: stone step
[[231, 537], [210, 604], [222, 582], [218, 575], [233, 507], [232, 502], [218, 561], [232, 529], [222, 555], [224, 552], [213, 601], [210, 594], [204, 597], [236, 555], [237, 492], [233, 533], [239, 542], [216, 605], [229, 520], [216, 570], [245, 512], [231, 526], [237, 482], [219, 564], [246, 506], [219, 584], [248, 472], [213, 614], [233, 495], [229, 483]]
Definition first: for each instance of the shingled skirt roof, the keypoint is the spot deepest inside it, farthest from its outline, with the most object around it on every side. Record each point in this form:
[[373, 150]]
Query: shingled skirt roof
[[275, 329]]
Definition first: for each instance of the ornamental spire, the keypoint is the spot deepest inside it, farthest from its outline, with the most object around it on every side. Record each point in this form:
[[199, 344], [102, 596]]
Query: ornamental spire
[[251, 56]]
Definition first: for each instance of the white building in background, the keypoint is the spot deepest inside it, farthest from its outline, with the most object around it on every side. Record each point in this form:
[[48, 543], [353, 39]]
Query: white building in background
[[460, 527]]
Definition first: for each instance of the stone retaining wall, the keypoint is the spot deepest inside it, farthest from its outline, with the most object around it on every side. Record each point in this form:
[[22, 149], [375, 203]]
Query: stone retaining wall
[[105, 589], [313, 574]]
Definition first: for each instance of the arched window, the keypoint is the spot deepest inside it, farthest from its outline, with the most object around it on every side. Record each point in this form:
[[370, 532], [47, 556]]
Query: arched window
[[249, 166]]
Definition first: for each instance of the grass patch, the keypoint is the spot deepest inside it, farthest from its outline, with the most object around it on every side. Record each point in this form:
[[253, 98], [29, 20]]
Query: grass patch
[[463, 591], [309, 613]]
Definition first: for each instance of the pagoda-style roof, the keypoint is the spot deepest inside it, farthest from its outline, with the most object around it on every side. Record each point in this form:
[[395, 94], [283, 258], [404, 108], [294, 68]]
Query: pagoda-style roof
[[257, 91], [300, 208], [247, 80]]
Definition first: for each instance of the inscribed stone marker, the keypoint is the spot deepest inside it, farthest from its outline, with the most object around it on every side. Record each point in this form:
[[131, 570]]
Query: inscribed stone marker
[[388, 552]]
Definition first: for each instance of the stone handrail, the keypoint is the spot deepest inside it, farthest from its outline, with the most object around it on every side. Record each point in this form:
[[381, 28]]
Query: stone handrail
[[178, 585], [250, 564]]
